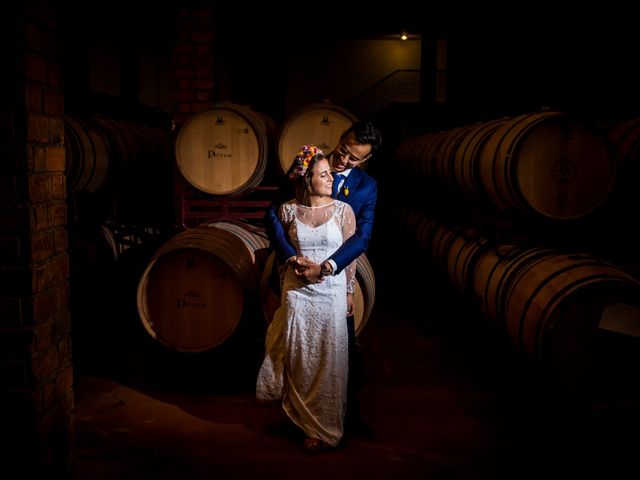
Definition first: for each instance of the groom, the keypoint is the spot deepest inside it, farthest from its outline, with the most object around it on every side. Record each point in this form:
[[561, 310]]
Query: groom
[[354, 186]]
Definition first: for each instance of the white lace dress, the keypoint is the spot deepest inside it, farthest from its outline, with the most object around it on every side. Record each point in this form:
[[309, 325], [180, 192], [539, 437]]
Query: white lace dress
[[306, 358]]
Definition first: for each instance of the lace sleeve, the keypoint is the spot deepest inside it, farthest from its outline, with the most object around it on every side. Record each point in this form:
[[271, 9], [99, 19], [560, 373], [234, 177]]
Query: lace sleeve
[[348, 222], [286, 214]]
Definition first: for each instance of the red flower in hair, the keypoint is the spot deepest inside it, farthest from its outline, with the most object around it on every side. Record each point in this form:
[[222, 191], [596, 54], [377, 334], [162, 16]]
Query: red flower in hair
[[304, 157]]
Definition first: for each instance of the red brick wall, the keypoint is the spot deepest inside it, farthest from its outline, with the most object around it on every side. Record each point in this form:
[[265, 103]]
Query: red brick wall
[[193, 60], [193, 72], [36, 374]]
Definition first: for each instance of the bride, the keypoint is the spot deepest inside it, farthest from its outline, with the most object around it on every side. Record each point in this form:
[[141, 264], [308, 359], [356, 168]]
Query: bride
[[306, 346]]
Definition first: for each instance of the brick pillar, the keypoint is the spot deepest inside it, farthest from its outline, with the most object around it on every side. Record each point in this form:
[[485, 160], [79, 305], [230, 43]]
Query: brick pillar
[[193, 59], [36, 396], [193, 74]]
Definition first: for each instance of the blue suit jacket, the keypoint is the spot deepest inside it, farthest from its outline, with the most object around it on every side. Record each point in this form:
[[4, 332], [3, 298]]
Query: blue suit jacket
[[362, 196]]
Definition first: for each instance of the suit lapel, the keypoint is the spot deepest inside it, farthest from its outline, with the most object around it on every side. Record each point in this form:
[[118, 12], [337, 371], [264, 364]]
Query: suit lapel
[[351, 183]]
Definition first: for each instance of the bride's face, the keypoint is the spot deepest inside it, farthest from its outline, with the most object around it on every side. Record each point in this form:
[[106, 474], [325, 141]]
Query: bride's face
[[321, 179]]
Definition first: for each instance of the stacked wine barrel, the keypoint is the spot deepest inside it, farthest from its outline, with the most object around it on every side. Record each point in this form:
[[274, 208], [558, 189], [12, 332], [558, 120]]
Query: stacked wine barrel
[[564, 308], [226, 149], [543, 163], [569, 313], [203, 282]]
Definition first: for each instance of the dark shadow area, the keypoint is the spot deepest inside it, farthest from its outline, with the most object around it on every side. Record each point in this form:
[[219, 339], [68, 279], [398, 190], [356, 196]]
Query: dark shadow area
[[444, 392]]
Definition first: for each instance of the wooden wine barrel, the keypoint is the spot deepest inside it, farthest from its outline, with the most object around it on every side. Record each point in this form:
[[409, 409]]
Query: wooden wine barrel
[[413, 154], [319, 124], [254, 238], [535, 293], [426, 229], [555, 312], [364, 295], [224, 150], [454, 252], [141, 169], [192, 293], [139, 154], [549, 164], [440, 239], [572, 316], [86, 155], [466, 159], [445, 162], [431, 164], [493, 272], [462, 255], [419, 227], [110, 234], [125, 148]]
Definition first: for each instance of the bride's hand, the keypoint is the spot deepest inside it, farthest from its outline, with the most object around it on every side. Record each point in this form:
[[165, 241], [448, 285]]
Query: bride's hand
[[350, 304]]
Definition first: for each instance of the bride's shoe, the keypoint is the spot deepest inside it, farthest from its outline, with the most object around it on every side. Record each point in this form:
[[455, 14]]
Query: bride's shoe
[[312, 445]]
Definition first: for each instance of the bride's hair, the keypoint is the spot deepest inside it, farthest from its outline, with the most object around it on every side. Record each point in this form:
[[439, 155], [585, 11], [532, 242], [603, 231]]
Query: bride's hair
[[301, 170]]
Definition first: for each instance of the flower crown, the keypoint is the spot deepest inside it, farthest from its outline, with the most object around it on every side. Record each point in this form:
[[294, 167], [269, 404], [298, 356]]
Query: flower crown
[[303, 160]]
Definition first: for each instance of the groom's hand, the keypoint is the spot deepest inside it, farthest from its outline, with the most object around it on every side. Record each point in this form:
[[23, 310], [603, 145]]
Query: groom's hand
[[307, 270]]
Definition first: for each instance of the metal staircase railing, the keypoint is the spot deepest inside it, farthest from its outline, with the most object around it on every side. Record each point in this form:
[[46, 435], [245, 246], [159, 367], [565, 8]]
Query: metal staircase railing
[[397, 87]]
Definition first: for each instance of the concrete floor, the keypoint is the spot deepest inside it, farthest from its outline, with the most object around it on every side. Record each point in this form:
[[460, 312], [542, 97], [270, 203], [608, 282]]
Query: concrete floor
[[446, 397]]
